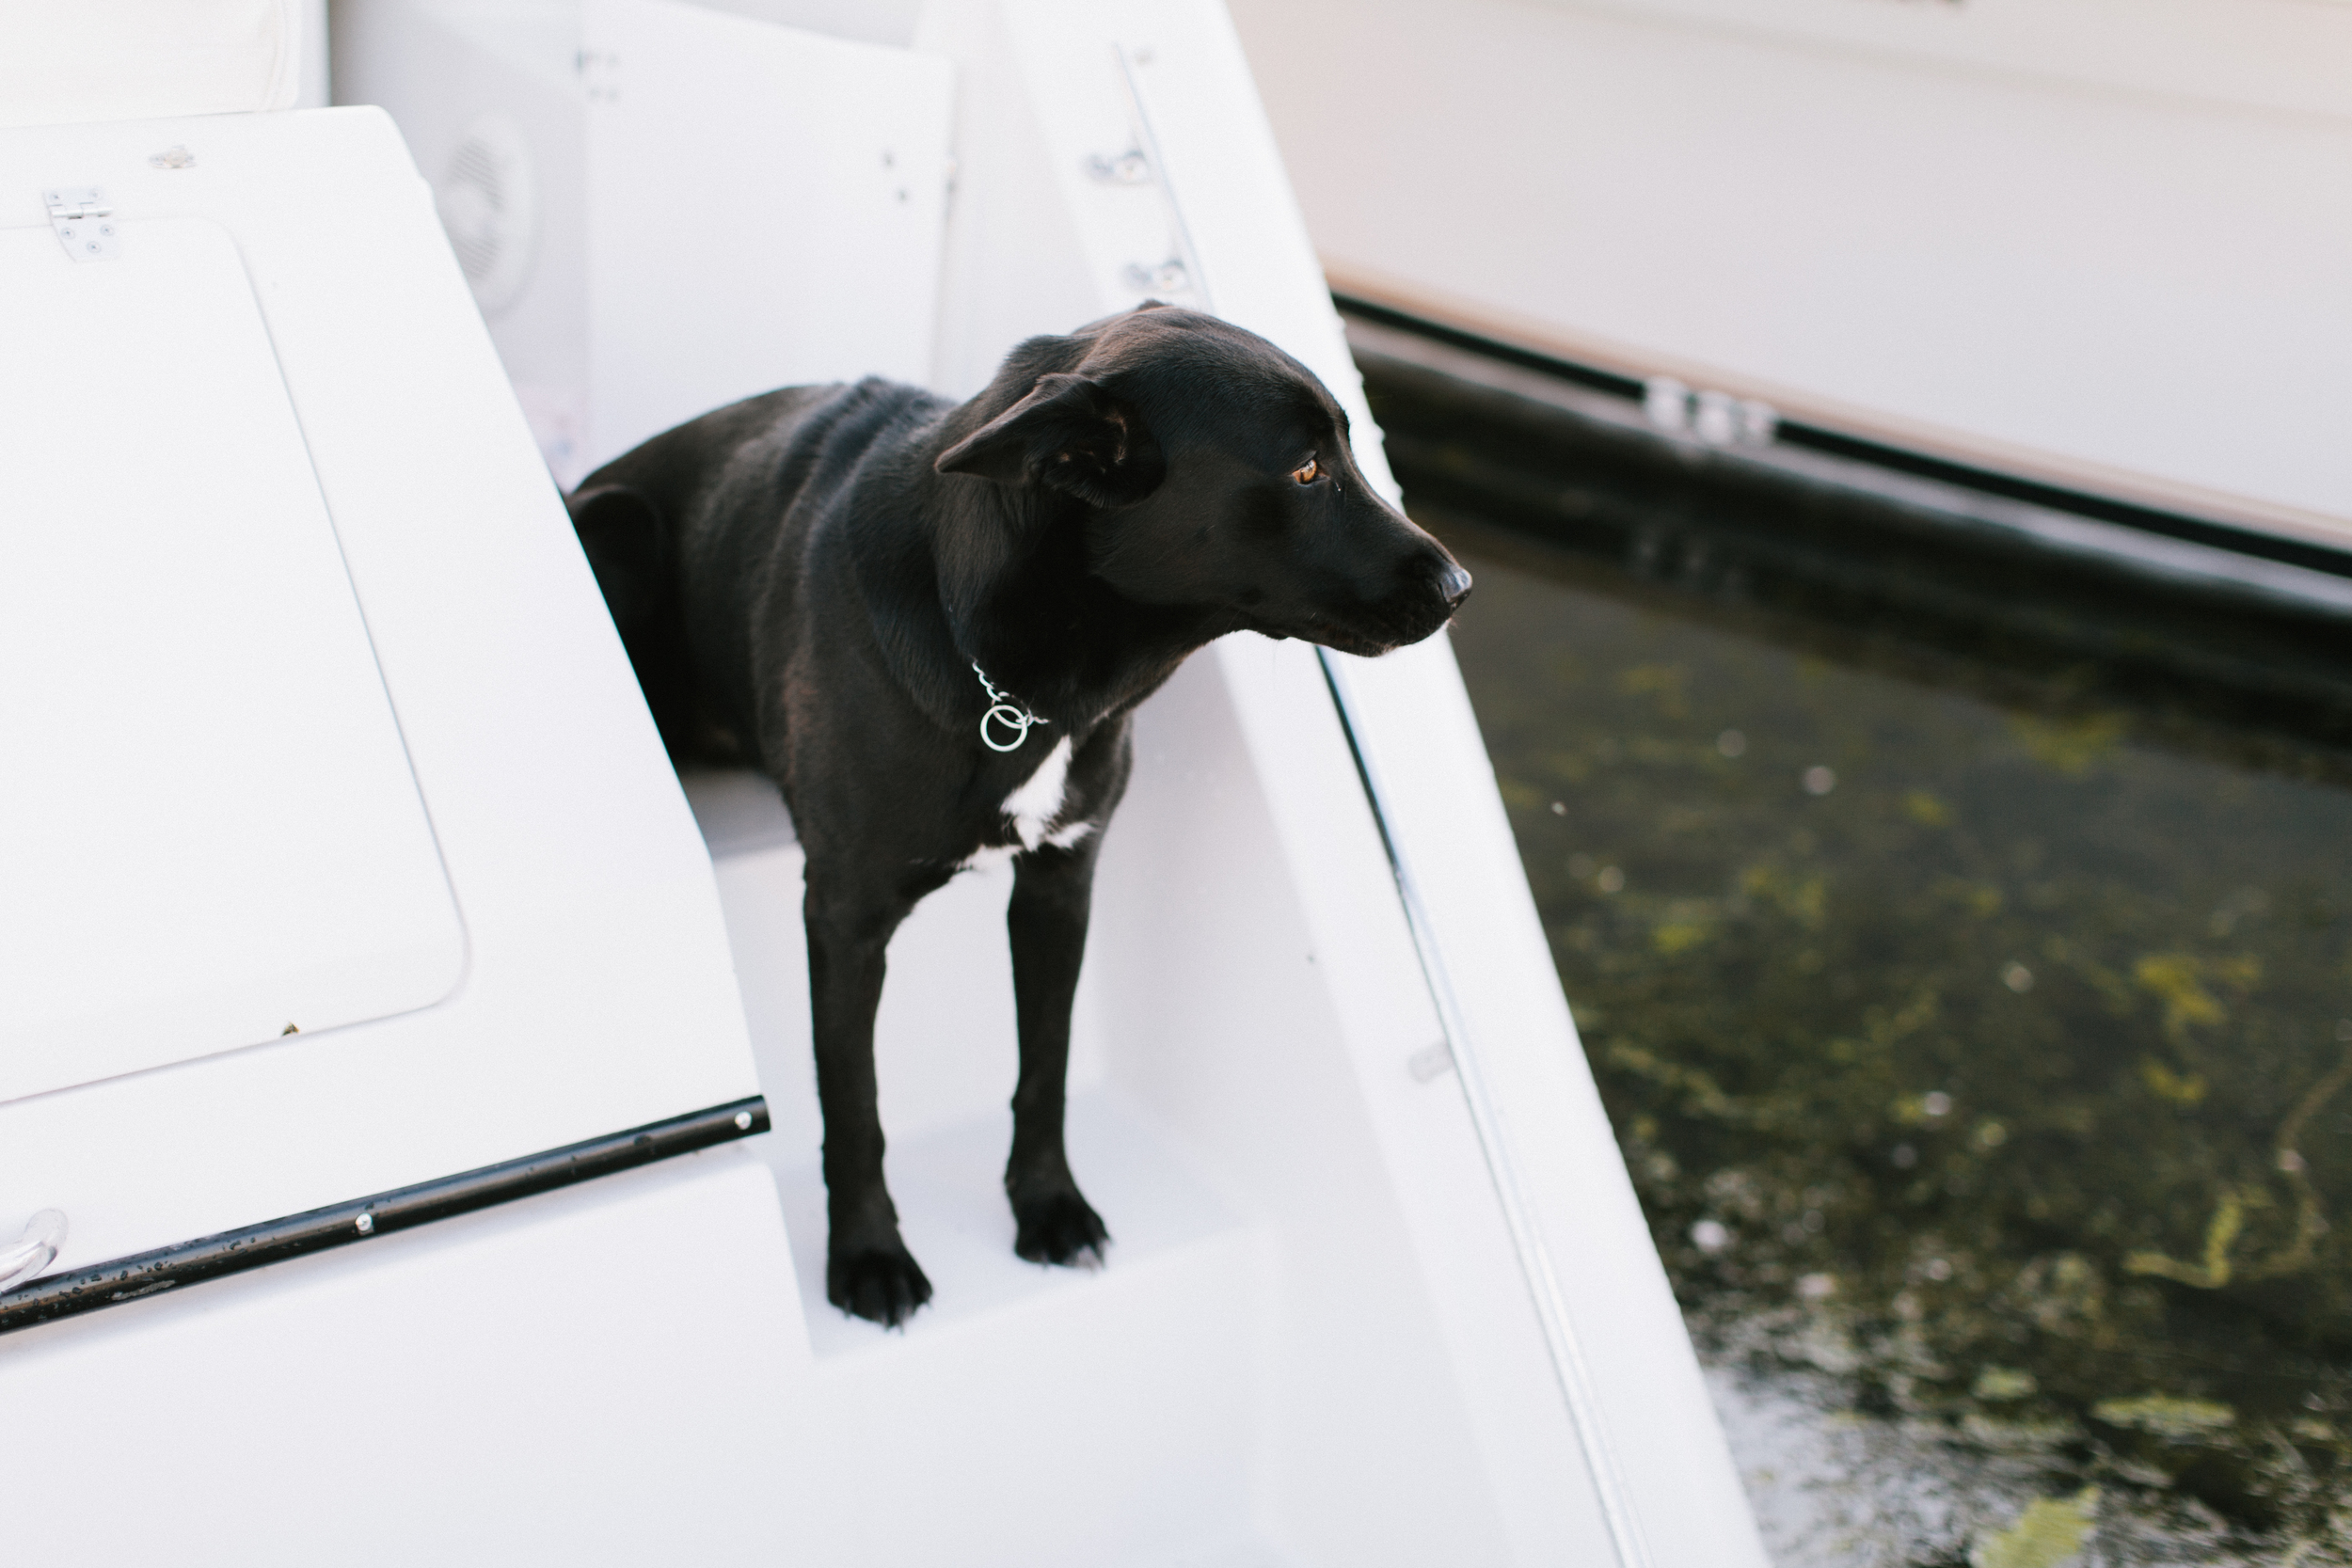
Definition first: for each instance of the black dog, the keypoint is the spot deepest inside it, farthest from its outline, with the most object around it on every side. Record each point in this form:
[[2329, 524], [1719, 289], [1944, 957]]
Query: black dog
[[929, 623]]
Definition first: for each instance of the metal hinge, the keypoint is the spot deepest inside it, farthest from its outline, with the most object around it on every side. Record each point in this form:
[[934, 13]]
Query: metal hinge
[[83, 218]]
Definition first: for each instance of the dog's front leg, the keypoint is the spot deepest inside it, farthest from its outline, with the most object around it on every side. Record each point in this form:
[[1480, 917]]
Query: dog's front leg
[[1052, 890], [868, 1271]]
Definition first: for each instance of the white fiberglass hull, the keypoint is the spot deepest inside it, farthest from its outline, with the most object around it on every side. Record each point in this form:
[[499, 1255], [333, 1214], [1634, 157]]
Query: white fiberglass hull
[[2095, 244]]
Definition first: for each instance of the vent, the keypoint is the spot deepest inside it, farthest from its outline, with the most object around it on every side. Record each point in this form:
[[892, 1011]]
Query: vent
[[488, 201]]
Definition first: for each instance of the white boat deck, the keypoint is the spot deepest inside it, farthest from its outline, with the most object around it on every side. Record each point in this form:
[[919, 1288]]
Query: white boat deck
[[1259, 1357], [1379, 1291]]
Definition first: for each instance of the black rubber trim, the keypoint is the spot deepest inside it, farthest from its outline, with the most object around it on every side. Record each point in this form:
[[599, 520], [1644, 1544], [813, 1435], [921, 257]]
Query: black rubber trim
[[150, 1274], [1491, 348], [1837, 443], [2148, 520]]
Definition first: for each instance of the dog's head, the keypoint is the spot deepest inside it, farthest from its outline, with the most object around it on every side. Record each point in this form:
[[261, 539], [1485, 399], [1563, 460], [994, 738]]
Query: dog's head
[[1216, 472]]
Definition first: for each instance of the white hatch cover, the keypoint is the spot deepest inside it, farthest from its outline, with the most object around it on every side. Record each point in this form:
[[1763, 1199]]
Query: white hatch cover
[[209, 831]]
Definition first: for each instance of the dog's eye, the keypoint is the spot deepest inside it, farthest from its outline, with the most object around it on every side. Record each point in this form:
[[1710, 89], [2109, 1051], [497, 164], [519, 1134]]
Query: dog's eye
[[1305, 473]]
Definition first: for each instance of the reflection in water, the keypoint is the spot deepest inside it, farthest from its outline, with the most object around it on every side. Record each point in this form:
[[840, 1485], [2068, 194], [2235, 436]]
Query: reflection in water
[[1982, 1056]]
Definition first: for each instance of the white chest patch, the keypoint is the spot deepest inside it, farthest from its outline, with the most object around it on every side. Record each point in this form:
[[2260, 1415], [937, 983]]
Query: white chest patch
[[1036, 803], [1031, 809]]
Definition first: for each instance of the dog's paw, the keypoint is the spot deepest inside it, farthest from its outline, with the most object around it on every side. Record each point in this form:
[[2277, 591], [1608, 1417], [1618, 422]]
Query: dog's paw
[[1059, 1227], [880, 1285]]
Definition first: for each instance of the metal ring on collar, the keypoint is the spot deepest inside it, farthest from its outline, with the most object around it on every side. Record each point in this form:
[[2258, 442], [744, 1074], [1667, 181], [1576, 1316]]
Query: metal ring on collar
[[1012, 719]]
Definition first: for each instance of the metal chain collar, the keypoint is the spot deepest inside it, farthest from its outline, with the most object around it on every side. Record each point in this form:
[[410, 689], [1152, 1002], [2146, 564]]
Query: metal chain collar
[[1007, 713]]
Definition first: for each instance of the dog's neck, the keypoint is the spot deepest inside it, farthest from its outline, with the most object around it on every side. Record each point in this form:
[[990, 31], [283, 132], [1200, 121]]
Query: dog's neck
[[1019, 601]]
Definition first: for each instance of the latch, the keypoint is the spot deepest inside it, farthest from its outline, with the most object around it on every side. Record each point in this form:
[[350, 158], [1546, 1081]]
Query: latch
[[25, 1257], [1130, 168], [83, 218], [1170, 276]]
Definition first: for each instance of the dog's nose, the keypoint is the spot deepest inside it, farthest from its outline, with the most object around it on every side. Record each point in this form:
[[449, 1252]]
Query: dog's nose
[[1453, 586]]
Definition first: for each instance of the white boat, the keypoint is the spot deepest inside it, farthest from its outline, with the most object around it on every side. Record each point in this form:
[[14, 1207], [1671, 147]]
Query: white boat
[[426, 1101], [2090, 245]]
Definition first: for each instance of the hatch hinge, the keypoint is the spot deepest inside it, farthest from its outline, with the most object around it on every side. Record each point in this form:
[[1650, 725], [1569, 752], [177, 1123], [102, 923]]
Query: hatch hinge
[[83, 219]]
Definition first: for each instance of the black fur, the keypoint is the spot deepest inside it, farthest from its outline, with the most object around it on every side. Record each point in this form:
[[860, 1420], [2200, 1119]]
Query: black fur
[[805, 579]]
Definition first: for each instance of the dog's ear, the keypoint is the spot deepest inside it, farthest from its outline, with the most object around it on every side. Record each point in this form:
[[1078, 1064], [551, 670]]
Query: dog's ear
[[1071, 434], [621, 532]]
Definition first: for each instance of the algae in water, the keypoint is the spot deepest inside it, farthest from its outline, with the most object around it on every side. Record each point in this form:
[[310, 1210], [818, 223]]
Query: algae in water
[[1984, 1053]]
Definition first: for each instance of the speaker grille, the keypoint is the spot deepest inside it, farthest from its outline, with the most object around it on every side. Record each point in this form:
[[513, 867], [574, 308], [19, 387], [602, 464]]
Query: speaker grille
[[488, 203]]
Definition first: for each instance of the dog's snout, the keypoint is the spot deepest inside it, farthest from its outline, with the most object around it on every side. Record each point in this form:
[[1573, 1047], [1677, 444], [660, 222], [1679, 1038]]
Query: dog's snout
[[1454, 585]]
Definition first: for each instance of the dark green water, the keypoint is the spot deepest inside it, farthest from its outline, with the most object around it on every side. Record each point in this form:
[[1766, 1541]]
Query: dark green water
[[1982, 1056]]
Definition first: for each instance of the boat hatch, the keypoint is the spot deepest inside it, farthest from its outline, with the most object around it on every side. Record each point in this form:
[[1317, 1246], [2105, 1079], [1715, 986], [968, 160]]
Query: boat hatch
[[215, 836]]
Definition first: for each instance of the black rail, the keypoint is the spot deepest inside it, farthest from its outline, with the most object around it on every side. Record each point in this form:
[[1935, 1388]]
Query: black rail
[[1956, 576], [150, 1274], [1838, 443]]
